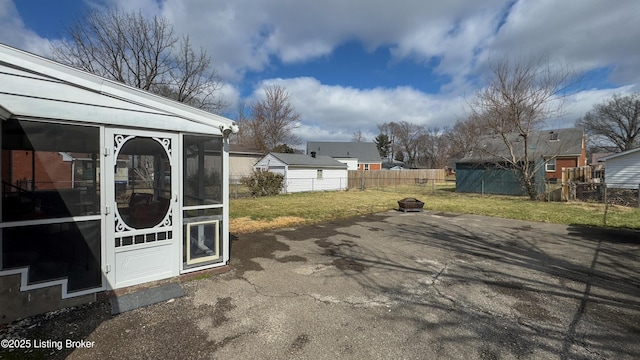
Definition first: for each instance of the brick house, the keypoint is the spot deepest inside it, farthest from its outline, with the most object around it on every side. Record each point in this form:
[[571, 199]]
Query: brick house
[[485, 170]]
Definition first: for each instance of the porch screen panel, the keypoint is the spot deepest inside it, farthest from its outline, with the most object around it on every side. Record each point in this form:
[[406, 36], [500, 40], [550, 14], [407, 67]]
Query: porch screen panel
[[69, 250], [202, 170], [49, 170], [203, 201], [50, 202]]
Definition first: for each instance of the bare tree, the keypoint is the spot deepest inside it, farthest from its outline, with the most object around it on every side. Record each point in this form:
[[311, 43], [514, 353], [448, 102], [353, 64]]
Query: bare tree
[[464, 135], [407, 139], [358, 137], [191, 80], [272, 121], [517, 100], [142, 53], [242, 121], [433, 148], [614, 125]]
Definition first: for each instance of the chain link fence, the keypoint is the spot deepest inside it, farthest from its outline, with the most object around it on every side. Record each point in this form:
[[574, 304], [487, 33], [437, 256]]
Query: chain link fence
[[620, 194], [390, 183], [236, 189]]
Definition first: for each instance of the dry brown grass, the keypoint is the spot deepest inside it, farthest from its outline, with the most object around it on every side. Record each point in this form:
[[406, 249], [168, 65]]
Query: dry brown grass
[[246, 225]]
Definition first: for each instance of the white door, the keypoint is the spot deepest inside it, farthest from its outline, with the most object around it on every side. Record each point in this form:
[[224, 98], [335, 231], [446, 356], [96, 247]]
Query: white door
[[142, 221]]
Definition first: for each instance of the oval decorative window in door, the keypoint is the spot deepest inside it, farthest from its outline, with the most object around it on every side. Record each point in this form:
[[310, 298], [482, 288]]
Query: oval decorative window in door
[[142, 182]]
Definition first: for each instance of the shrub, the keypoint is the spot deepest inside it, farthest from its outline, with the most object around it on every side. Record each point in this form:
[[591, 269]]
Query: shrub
[[263, 183]]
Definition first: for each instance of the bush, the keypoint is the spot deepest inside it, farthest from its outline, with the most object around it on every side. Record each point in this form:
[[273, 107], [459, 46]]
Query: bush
[[263, 183]]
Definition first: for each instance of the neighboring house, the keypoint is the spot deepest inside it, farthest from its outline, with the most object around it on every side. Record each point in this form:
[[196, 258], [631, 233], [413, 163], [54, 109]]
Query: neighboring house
[[392, 165], [549, 151], [306, 173], [69, 230], [241, 161], [597, 166], [53, 170], [595, 160], [561, 148], [622, 170], [357, 155]]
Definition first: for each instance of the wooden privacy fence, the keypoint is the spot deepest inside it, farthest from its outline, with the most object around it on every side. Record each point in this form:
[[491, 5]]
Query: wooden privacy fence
[[359, 179], [570, 176]]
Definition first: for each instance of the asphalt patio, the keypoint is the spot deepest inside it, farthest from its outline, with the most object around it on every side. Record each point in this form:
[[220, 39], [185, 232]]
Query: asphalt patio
[[386, 286]]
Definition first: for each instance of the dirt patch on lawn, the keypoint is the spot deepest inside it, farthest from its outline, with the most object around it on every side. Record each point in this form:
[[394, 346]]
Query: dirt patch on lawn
[[245, 225]]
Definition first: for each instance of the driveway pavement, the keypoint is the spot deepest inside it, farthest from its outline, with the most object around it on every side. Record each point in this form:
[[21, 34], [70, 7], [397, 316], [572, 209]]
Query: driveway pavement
[[388, 286]]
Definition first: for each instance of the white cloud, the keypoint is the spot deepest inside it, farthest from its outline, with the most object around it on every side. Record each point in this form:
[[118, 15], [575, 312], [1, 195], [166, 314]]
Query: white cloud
[[587, 34], [335, 113], [458, 37], [246, 35], [338, 112], [14, 33], [578, 104], [231, 95]]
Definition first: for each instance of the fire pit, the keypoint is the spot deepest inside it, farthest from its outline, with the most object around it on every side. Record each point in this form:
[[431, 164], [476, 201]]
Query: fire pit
[[410, 204]]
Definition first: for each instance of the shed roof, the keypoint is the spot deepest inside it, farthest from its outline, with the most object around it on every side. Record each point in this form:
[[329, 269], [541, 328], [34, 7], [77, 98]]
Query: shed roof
[[301, 160], [239, 149], [365, 152], [543, 143], [616, 155], [37, 88]]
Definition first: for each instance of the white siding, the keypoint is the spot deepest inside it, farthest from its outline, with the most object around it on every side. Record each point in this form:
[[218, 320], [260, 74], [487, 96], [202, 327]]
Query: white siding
[[299, 180], [268, 162], [278, 170], [352, 163], [623, 172]]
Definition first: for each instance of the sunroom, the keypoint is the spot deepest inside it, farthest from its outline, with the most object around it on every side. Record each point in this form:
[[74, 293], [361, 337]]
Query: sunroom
[[104, 186]]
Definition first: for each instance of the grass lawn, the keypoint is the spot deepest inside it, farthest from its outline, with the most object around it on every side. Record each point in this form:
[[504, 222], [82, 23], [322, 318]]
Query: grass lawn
[[257, 214]]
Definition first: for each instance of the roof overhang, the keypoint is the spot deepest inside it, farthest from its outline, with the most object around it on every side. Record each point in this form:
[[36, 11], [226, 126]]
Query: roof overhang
[[38, 88], [302, 166], [613, 156]]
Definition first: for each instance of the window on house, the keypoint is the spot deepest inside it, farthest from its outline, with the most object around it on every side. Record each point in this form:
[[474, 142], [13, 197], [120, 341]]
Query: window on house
[[554, 137], [319, 173], [551, 165], [366, 166]]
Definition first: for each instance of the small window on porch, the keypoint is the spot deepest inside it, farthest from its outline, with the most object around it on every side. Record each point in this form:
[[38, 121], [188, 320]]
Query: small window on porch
[[202, 237], [319, 173]]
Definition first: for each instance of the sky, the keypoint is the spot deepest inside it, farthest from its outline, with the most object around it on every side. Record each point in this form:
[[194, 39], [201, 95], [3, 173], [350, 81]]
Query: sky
[[350, 65]]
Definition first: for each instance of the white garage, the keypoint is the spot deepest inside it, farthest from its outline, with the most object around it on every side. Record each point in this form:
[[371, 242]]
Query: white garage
[[622, 170], [305, 172]]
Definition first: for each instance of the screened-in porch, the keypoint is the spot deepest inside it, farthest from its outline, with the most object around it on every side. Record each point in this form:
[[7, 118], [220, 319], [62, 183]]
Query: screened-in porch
[[104, 186]]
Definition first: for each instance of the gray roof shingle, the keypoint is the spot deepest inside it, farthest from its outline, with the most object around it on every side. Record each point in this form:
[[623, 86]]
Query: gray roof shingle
[[365, 152], [307, 160], [544, 143]]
